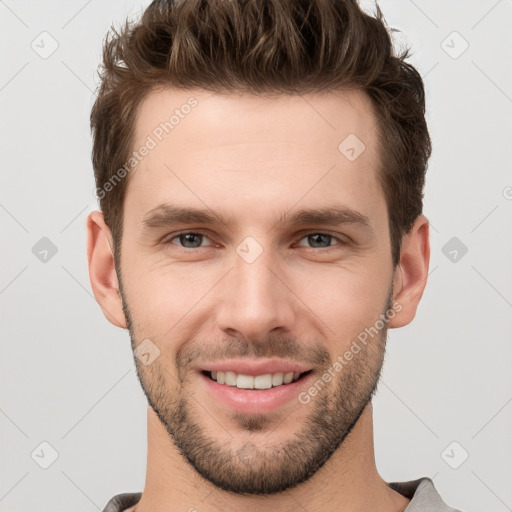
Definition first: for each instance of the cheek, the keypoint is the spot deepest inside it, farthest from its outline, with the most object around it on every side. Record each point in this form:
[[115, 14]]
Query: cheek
[[160, 294], [340, 300], [346, 300]]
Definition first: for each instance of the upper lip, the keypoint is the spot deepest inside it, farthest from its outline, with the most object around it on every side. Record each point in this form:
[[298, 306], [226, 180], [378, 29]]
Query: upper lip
[[255, 366]]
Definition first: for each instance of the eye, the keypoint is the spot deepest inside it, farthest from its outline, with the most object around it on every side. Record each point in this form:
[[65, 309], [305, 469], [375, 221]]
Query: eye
[[194, 240], [318, 240], [188, 240]]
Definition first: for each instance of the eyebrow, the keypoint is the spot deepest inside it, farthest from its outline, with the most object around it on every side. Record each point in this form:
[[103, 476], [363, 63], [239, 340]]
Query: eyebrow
[[167, 215]]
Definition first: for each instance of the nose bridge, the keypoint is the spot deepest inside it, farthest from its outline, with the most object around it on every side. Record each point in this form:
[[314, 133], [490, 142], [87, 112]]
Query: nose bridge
[[254, 299]]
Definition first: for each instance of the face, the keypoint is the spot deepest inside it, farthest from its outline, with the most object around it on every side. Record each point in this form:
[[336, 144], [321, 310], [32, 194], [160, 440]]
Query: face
[[289, 268]]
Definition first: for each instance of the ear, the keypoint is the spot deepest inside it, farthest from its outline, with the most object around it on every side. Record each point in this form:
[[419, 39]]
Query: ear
[[411, 273], [102, 272]]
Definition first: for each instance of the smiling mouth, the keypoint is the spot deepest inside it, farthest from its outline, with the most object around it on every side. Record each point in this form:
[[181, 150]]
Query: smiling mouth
[[258, 382]]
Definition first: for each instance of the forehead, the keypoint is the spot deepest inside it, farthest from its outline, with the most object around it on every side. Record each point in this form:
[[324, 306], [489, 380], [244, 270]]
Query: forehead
[[224, 146], [315, 121]]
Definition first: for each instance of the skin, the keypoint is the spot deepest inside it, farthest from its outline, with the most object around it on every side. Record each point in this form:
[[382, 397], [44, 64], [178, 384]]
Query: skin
[[303, 299]]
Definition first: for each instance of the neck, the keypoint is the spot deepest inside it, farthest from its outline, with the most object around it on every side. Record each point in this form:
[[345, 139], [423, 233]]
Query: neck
[[348, 481]]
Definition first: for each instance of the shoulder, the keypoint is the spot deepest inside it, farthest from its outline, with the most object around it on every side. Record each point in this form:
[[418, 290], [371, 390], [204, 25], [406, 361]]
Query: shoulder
[[123, 502], [423, 495]]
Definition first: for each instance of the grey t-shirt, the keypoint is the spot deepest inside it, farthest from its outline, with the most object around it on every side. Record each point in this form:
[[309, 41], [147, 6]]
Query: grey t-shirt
[[422, 493]]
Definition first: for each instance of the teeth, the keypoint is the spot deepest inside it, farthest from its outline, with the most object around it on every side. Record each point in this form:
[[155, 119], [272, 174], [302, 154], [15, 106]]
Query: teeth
[[230, 379], [263, 381], [266, 381], [244, 381], [277, 379]]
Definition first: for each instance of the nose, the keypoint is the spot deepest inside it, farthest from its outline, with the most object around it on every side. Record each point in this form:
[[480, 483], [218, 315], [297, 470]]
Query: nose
[[255, 299]]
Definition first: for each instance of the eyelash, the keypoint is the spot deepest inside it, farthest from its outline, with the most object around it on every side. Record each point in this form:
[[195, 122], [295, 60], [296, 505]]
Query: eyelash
[[168, 241]]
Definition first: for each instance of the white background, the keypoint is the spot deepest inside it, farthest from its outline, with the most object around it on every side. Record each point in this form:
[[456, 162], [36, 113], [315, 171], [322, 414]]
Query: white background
[[68, 376]]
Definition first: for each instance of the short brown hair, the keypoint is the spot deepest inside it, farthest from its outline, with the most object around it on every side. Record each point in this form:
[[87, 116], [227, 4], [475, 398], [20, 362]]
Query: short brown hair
[[262, 47]]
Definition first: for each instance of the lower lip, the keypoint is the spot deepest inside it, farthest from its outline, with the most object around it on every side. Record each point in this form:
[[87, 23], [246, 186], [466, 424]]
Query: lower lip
[[254, 401]]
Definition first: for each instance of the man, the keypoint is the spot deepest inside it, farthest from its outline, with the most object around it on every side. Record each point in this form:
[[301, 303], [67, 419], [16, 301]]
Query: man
[[260, 167]]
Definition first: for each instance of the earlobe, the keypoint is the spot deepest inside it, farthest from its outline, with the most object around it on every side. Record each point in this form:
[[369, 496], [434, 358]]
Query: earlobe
[[411, 274], [102, 272]]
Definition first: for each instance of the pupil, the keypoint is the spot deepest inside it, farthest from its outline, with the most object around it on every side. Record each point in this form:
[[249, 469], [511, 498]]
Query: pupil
[[188, 237], [319, 235]]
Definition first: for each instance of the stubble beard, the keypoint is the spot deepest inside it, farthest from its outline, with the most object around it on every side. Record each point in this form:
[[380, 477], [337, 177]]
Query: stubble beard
[[260, 468]]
